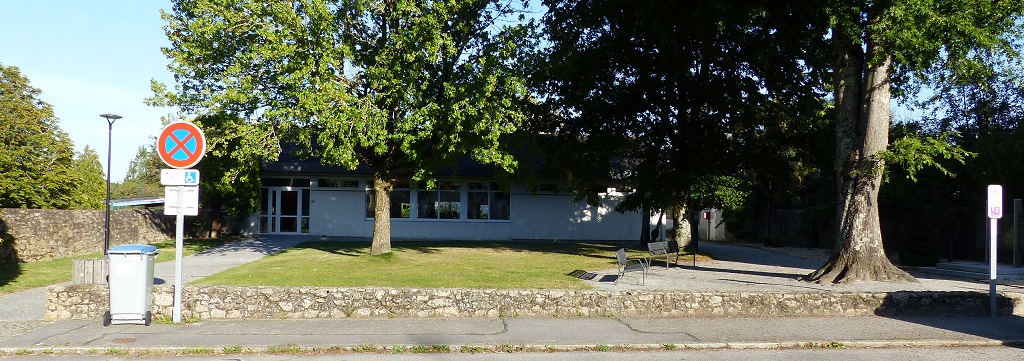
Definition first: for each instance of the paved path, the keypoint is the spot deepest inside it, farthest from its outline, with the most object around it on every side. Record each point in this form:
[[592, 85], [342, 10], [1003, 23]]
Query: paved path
[[735, 268], [754, 268], [219, 259], [533, 333], [24, 311]]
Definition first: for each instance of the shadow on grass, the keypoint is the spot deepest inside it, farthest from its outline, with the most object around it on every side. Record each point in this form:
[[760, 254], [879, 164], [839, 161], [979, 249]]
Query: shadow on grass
[[267, 245], [605, 251], [197, 245], [10, 267]]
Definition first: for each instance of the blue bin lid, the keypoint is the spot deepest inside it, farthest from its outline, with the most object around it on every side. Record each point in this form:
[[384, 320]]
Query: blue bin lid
[[133, 249]]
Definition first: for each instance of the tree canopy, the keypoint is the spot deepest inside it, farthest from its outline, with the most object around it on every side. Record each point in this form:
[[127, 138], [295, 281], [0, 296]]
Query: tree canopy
[[91, 192], [36, 156], [878, 45], [692, 99], [704, 98], [402, 86]]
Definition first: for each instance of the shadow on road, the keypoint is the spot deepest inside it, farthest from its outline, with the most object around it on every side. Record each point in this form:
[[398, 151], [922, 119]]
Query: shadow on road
[[1007, 329]]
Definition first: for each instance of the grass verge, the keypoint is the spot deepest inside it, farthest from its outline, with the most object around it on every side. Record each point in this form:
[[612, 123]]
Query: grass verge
[[23, 276], [425, 264]]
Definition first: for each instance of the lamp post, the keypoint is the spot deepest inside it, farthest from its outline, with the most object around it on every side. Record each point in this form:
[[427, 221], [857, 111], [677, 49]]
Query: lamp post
[[106, 224]]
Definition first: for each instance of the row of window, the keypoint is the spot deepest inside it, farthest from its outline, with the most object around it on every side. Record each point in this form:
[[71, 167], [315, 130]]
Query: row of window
[[483, 201]]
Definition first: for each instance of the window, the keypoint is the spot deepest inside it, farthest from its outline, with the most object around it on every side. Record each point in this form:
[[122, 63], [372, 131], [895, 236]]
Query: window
[[401, 202], [285, 182], [441, 203], [487, 201], [483, 200], [337, 183]]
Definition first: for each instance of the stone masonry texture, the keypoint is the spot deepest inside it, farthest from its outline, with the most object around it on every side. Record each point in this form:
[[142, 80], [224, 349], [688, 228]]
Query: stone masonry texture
[[30, 235], [233, 302]]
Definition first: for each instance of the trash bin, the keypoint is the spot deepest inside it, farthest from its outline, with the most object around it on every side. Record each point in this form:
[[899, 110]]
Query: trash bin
[[131, 284]]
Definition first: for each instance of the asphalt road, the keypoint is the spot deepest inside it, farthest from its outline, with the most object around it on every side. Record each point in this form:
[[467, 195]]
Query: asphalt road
[[902, 354]]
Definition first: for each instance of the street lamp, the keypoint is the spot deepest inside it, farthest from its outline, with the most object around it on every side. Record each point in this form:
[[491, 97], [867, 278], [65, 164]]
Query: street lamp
[[106, 224]]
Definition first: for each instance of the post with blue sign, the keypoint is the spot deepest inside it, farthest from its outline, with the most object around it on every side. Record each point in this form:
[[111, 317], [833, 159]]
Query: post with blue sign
[[994, 209], [180, 145]]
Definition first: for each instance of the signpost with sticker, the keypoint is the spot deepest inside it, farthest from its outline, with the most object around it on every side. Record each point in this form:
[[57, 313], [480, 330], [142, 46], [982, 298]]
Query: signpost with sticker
[[181, 145], [994, 208]]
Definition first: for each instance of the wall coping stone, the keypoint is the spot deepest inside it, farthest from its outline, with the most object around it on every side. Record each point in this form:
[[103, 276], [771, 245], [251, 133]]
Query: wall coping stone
[[64, 302]]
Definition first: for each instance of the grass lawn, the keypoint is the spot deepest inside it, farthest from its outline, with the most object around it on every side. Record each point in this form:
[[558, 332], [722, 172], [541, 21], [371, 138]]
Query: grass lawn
[[23, 276], [425, 264]]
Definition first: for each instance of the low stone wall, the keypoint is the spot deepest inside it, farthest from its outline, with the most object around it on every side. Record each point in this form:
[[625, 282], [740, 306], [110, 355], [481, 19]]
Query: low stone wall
[[36, 234], [229, 302]]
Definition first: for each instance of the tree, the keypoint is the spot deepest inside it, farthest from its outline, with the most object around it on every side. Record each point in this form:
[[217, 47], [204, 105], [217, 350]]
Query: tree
[[401, 86], [690, 100], [875, 44], [231, 167], [143, 177], [36, 156], [91, 191]]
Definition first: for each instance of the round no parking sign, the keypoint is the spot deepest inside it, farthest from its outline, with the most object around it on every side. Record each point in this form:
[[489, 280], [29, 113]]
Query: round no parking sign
[[181, 145]]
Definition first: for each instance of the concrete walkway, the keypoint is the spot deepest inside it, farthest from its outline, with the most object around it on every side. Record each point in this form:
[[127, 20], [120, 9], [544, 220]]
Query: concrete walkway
[[219, 259], [23, 311], [737, 267], [763, 269], [530, 333]]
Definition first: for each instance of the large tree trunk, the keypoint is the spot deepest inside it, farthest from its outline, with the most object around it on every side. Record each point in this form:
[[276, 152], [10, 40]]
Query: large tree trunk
[[862, 131], [645, 226], [382, 187], [680, 226]]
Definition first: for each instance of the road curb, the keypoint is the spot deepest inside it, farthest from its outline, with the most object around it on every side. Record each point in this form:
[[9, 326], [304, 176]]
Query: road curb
[[480, 348]]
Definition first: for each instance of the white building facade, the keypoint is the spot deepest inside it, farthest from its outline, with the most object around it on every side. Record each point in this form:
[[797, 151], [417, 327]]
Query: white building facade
[[455, 208]]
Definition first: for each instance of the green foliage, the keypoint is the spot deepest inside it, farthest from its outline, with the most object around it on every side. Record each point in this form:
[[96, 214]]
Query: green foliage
[[646, 92], [402, 86], [230, 169], [915, 151], [233, 349], [92, 184], [143, 177], [286, 349], [197, 351], [114, 351], [36, 156]]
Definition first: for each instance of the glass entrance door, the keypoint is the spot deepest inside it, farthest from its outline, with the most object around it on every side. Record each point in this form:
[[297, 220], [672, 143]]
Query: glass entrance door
[[284, 210]]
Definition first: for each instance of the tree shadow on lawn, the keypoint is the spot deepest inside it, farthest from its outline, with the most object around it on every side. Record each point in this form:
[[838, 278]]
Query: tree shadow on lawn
[[197, 245], [10, 267], [356, 249]]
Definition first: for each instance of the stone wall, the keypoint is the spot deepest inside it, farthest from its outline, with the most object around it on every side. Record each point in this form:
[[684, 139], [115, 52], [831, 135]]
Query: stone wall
[[36, 234], [230, 302]]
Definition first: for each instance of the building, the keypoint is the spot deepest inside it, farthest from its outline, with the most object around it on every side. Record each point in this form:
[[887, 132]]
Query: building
[[468, 203]]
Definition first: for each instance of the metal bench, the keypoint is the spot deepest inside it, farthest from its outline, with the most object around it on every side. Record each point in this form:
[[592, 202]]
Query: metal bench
[[631, 265], [657, 249]]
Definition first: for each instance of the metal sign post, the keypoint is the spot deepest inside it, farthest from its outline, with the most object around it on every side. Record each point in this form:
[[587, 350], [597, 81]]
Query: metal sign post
[[995, 211], [179, 244], [180, 145]]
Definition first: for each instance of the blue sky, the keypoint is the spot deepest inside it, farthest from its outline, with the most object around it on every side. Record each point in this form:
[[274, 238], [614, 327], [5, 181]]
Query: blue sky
[[89, 58]]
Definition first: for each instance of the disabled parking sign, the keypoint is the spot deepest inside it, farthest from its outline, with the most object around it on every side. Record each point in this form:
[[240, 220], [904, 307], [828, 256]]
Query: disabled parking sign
[[181, 145]]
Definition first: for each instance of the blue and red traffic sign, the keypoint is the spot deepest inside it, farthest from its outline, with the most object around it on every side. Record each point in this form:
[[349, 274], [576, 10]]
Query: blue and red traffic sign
[[181, 145]]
